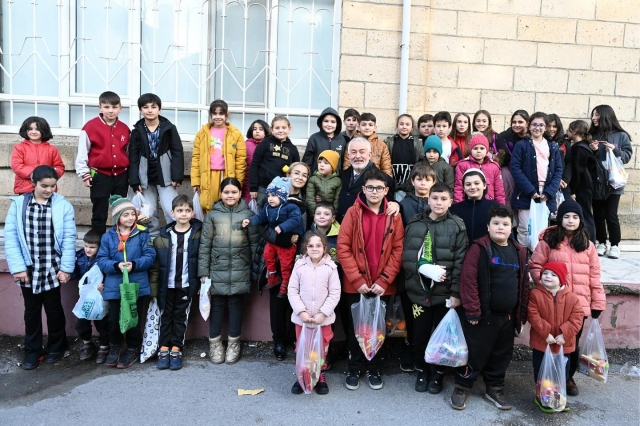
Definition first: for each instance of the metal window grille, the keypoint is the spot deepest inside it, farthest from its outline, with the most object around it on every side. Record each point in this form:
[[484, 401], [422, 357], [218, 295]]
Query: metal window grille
[[264, 57]]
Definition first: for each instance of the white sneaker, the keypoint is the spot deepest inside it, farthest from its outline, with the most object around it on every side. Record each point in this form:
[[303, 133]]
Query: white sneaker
[[601, 249], [614, 252]]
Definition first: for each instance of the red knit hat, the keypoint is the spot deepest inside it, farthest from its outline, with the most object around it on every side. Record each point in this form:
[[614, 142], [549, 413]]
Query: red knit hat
[[558, 268], [478, 139]]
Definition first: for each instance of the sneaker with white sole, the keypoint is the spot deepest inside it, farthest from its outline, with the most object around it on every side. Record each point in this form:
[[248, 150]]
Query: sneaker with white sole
[[614, 252], [601, 249]]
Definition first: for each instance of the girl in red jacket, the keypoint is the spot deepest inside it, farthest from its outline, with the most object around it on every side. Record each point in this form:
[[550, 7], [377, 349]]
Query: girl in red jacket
[[461, 132], [34, 151], [314, 292], [569, 243]]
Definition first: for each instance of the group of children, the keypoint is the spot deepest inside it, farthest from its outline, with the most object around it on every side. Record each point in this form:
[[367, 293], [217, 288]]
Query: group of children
[[435, 255]]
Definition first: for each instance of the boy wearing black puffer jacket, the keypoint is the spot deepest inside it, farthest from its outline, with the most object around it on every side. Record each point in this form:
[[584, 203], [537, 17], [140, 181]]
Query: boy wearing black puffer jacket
[[328, 138]]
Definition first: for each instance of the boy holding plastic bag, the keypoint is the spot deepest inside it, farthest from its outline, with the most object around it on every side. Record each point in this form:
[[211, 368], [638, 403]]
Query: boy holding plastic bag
[[370, 253], [434, 247], [85, 259], [494, 288], [555, 315]]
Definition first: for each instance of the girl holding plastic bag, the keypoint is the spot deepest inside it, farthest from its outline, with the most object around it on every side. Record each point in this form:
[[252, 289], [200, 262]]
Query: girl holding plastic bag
[[314, 293], [608, 135], [568, 243], [225, 258], [555, 315]]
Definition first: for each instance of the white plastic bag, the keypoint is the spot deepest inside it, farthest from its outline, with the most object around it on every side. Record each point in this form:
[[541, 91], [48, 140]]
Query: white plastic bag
[[538, 221], [551, 384], [253, 206], [447, 345], [197, 208], [145, 210], [91, 305], [593, 355], [617, 175], [151, 331], [309, 357], [369, 325], [205, 299]]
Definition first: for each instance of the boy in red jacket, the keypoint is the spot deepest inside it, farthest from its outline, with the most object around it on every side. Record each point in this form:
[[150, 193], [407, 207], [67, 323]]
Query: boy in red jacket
[[555, 315], [102, 159], [370, 253]]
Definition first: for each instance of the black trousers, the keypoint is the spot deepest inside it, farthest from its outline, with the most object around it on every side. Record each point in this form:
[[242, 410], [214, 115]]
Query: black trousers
[[175, 317], [280, 316], [84, 329], [407, 311], [102, 187], [425, 320], [574, 357], [605, 214], [357, 360], [585, 199], [56, 323], [133, 336], [490, 351], [537, 363], [218, 303]]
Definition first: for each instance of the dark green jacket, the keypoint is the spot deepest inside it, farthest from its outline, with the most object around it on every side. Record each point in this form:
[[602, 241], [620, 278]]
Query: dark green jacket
[[444, 172], [225, 249], [327, 187], [449, 246]]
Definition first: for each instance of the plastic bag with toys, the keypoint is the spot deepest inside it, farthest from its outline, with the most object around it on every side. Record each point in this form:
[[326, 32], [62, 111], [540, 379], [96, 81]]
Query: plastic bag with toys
[[369, 325], [447, 345], [144, 208], [593, 356], [551, 384], [309, 357], [396, 324]]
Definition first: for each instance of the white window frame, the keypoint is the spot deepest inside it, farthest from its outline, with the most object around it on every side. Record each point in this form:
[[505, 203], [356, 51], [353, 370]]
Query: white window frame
[[67, 22]]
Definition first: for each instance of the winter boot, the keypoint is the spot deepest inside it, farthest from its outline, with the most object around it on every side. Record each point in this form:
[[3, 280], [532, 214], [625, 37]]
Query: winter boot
[[233, 350], [216, 350]]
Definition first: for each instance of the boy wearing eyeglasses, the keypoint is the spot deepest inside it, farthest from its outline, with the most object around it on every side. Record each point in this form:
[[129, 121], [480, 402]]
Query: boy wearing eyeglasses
[[369, 251]]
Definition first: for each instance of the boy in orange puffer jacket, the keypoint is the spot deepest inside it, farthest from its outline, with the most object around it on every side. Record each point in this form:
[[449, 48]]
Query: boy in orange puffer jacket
[[555, 316]]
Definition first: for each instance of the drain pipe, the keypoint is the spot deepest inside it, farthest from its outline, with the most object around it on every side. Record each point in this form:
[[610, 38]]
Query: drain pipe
[[404, 56]]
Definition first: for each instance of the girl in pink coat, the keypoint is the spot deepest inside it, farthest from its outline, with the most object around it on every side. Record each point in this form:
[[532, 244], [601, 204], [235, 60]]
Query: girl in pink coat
[[479, 159], [258, 130], [314, 293], [569, 243]]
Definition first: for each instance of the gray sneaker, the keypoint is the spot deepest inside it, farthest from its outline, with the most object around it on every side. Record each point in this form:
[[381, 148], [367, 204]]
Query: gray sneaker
[[614, 252], [601, 249]]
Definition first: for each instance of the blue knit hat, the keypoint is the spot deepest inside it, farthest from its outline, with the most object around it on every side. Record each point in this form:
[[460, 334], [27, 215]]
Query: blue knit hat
[[280, 187], [433, 142]]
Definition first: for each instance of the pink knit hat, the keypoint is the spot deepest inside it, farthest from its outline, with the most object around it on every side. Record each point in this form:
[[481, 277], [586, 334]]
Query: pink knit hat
[[478, 139]]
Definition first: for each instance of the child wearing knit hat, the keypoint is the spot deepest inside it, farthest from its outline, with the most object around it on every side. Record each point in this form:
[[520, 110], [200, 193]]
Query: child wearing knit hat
[[325, 184], [286, 220], [555, 315], [125, 245], [433, 154], [478, 159]]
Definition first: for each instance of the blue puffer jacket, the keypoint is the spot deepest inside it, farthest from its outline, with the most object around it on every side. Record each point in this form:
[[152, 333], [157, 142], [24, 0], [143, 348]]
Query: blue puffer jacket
[[287, 216], [83, 264], [525, 175], [64, 230], [139, 250]]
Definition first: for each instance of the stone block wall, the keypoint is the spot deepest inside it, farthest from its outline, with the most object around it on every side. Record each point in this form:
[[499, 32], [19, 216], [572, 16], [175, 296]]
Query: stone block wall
[[562, 57]]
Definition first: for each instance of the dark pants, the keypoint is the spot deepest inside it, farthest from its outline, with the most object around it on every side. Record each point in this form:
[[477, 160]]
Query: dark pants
[[175, 317], [585, 199], [407, 311], [133, 336], [102, 187], [218, 304], [574, 357], [280, 316], [425, 320], [490, 352], [84, 329], [605, 214], [357, 360], [33, 304], [537, 363]]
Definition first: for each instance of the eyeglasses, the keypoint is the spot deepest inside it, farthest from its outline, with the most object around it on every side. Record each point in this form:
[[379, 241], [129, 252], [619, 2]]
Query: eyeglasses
[[374, 189], [299, 173], [538, 126]]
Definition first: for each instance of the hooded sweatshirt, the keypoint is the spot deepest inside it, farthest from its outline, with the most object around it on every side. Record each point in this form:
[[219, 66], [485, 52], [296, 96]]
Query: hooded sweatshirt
[[320, 141], [270, 156]]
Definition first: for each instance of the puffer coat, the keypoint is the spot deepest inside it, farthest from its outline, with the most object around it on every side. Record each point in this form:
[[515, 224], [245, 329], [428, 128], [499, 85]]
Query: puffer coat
[[225, 249]]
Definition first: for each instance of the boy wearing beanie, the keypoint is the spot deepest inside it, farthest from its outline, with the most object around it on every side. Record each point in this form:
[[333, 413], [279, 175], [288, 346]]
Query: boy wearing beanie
[[433, 153], [478, 159], [555, 315], [285, 219], [125, 245], [325, 184]]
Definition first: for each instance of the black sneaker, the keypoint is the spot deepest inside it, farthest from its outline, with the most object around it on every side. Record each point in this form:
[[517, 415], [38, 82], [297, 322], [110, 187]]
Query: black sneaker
[[353, 380], [422, 381], [375, 381], [128, 358], [87, 351], [30, 364], [496, 395], [458, 398], [112, 357], [53, 357], [406, 358], [279, 351], [321, 387], [296, 389], [103, 352], [435, 385]]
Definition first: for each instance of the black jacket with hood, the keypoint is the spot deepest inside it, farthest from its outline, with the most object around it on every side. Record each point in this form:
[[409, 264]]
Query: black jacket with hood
[[319, 142]]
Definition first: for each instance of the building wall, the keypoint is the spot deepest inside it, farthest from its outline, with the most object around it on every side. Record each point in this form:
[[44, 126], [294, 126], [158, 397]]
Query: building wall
[[562, 57]]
